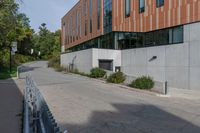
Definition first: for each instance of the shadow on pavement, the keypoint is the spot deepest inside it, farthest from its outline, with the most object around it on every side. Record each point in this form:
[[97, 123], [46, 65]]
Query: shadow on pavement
[[27, 68], [11, 102], [133, 119]]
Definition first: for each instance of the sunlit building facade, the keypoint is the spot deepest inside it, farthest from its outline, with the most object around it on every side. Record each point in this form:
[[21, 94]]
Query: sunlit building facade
[[138, 37]]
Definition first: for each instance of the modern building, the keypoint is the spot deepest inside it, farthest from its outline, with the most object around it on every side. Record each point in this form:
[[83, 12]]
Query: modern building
[[159, 38]]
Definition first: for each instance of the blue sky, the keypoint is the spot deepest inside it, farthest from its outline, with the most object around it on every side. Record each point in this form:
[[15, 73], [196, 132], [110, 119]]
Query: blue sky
[[46, 11]]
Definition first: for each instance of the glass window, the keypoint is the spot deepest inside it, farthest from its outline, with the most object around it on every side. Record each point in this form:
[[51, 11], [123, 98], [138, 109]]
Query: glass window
[[90, 16], [99, 15], [170, 36], [77, 19], [127, 40], [141, 6], [80, 32], [161, 37], [85, 27], [107, 16], [85, 8], [149, 39], [127, 8], [159, 3], [71, 24], [178, 35]]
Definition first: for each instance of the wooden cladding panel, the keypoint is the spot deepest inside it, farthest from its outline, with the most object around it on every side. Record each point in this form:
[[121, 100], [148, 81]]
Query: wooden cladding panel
[[174, 12]]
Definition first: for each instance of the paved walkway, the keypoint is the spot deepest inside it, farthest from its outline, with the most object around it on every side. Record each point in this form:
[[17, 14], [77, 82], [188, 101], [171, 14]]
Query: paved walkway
[[84, 105], [10, 106]]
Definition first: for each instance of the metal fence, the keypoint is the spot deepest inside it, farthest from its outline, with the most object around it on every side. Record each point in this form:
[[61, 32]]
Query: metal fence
[[37, 116]]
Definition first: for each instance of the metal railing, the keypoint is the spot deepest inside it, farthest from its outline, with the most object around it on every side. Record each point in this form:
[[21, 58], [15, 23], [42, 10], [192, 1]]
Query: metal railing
[[37, 116]]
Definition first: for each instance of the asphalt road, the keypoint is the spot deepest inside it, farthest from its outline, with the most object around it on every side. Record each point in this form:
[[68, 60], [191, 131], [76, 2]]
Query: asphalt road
[[83, 105]]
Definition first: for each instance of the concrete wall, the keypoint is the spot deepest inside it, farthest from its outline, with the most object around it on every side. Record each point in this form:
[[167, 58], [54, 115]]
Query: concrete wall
[[178, 64], [85, 60], [107, 54], [82, 60]]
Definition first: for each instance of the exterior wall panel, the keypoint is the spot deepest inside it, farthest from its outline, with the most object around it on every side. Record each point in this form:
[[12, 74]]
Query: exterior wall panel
[[72, 13], [173, 13]]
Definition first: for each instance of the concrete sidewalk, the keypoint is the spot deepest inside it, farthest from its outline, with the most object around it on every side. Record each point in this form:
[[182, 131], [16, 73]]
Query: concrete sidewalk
[[10, 106]]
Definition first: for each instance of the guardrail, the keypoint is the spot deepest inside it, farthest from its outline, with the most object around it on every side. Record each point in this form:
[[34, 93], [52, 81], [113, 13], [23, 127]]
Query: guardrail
[[37, 116]]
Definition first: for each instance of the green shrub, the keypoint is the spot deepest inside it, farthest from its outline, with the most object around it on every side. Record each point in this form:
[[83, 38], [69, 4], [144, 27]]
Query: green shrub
[[97, 73], [143, 83], [20, 59], [117, 78], [54, 62]]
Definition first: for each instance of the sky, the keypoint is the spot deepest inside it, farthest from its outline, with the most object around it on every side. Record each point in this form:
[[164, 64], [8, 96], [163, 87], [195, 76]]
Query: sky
[[46, 11]]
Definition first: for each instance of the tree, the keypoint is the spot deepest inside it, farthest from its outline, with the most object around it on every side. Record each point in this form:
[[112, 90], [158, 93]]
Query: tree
[[24, 34], [47, 42], [14, 26], [8, 11]]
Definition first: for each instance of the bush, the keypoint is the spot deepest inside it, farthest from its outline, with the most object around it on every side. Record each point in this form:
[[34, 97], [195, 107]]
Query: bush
[[97, 73], [20, 59], [143, 83], [117, 78], [54, 62]]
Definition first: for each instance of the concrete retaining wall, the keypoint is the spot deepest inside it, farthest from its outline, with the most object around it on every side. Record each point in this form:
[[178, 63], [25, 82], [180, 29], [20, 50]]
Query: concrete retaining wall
[[106, 54], [82, 60], [85, 60], [177, 64]]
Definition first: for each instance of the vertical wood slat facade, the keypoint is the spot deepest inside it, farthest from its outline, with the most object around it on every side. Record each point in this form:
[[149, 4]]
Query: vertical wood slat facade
[[80, 8], [173, 13]]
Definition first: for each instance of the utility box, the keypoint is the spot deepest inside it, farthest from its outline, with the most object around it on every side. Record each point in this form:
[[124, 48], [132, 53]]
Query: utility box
[[117, 69]]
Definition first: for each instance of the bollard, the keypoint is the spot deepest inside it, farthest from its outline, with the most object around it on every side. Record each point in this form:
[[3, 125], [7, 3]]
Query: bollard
[[18, 73], [166, 88]]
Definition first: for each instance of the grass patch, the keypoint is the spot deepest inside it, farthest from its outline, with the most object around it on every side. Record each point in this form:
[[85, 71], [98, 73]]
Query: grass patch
[[5, 74]]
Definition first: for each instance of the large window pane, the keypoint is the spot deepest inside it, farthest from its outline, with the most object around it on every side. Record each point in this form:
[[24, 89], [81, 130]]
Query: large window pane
[[107, 16], [127, 8], [161, 37], [99, 15], [149, 39], [178, 35], [77, 20], [90, 16], [159, 3], [141, 6]]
